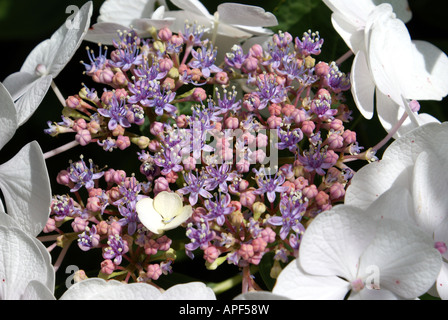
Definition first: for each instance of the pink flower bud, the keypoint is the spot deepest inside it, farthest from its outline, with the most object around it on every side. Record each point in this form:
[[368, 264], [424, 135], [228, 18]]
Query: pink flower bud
[[164, 243], [119, 176], [73, 102], [221, 78], [308, 127], [337, 191], [79, 124], [310, 191], [118, 131], [93, 204], [165, 64], [335, 141], [189, 163], [322, 69], [50, 226], [93, 127], [322, 198], [102, 227], [262, 140], [256, 51], [246, 251], [113, 194], [103, 76], [83, 137], [274, 122], [156, 128], [236, 205], [232, 123], [199, 94], [349, 136], [331, 157], [250, 64], [337, 125], [300, 183], [243, 185], [154, 145], [288, 109], [123, 142], [165, 34], [107, 266], [259, 244], [414, 105], [63, 178], [119, 80], [79, 224], [211, 253], [161, 184], [181, 121], [114, 228], [154, 271], [268, 235], [275, 109], [243, 166], [109, 175], [247, 198], [171, 177]]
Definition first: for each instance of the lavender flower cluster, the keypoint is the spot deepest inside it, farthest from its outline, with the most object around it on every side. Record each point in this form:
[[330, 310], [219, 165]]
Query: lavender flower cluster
[[204, 129]]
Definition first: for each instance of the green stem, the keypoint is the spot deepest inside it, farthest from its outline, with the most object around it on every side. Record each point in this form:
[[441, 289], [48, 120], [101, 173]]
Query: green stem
[[225, 285]]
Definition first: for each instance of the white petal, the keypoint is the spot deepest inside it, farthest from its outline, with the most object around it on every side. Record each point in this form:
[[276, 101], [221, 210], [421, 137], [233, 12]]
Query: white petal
[[124, 11], [194, 6], [181, 16], [100, 289], [56, 52], [401, 9], [350, 33], [30, 101], [429, 191], [372, 180], [334, 241], [442, 282], [105, 32], [143, 25], [428, 72], [37, 291], [25, 185], [150, 218], [8, 117], [371, 294], [388, 49], [73, 38], [295, 284], [180, 218], [390, 113], [363, 87], [189, 291], [236, 13], [18, 83], [354, 12], [396, 203], [168, 204], [403, 257], [21, 261]]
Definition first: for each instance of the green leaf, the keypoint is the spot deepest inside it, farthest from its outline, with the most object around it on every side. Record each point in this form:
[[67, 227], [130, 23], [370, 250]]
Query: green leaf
[[264, 268]]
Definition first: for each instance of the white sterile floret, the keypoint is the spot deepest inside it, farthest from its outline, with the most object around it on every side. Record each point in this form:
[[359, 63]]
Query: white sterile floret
[[165, 212]]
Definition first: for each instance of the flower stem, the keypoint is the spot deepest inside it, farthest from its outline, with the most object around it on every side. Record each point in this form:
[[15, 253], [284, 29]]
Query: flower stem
[[391, 133], [344, 57], [61, 149], [226, 284], [58, 93]]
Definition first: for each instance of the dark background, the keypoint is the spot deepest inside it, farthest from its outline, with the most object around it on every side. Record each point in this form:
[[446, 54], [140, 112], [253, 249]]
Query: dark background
[[24, 24]]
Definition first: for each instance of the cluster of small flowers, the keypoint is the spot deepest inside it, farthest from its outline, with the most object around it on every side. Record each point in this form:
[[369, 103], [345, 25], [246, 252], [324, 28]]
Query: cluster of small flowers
[[245, 203], [108, 221]]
